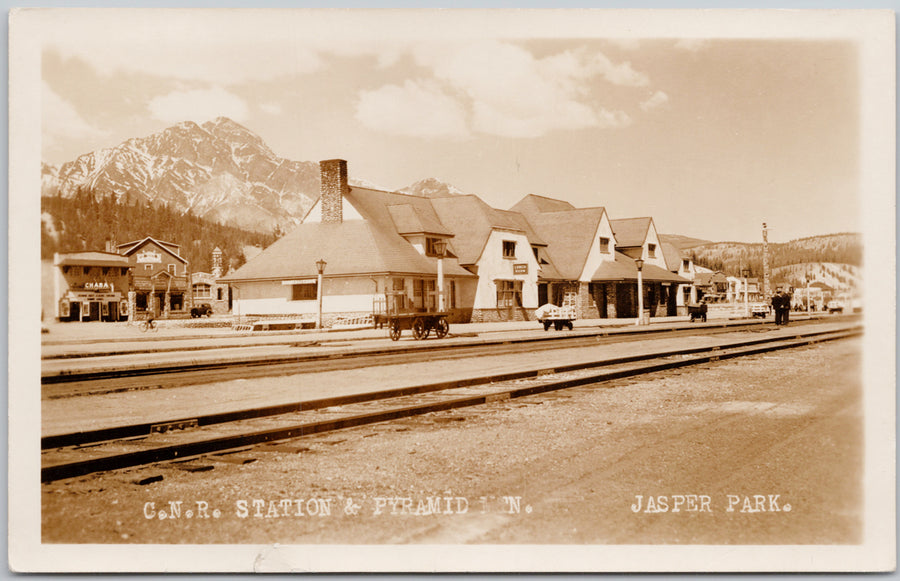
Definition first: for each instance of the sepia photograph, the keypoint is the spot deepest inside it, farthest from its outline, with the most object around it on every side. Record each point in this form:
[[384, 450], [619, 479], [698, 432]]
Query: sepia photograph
[[483, 290]]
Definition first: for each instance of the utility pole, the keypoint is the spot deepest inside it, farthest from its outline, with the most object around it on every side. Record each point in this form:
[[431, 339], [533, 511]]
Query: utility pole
[[765, 234]]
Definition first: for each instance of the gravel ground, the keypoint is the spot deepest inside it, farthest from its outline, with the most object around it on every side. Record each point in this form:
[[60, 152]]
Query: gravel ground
[[560, 468]]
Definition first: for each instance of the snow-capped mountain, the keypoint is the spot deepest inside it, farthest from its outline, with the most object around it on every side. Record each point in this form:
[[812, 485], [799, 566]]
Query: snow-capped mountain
[[432, 188], [219, 170], [49, 179]]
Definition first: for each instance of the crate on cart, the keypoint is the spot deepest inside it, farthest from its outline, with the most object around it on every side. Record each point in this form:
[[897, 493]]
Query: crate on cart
[[559, 317]]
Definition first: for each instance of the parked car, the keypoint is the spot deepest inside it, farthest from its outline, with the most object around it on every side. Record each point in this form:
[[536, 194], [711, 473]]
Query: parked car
[[835, 307], [200, 310]]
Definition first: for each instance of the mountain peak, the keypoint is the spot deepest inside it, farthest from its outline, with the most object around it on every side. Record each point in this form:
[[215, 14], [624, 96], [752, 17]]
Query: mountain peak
[[432, 188]]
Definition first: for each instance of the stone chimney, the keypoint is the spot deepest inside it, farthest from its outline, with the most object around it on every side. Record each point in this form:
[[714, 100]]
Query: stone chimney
[[334, 186]]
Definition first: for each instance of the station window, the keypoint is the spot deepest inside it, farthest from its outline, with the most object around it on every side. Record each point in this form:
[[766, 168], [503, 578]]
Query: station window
[[509, 249], [651, 250], [509, 293], [148, 267], [171, 268], [604, 245], [304, 292]]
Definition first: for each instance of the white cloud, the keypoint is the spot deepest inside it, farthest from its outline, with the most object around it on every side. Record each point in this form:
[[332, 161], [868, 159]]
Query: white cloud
[[514, 94], [271, 108], [416, 109], [62, 122], [656, 100], [619, 74], [198, 105]]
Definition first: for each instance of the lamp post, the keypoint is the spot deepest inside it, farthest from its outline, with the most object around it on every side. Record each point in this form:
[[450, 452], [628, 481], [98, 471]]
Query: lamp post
[[808, 296], [640, 290], [320, 266], [746, 273], [440, 247]]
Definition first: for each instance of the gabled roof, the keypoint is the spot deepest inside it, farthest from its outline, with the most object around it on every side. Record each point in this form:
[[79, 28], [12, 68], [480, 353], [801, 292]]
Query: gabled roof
[[569, 235], [533, 204], [130, 245], [129, 248], [352, 247], [409, 219], [472, 221], [672, 255], [708, 278], [630, 231], [624, 269], [414, 214], [93, 258]]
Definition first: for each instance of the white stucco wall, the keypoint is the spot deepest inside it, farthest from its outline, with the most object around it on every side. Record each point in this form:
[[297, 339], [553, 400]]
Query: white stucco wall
[[492, 265], [595, 258], [274, 298], [653, 238]]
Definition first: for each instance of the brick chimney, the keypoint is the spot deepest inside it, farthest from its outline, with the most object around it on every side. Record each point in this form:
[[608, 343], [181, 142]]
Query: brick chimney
[[334, 186]]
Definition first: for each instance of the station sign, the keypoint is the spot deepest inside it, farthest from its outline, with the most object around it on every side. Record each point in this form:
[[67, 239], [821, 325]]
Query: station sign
[[521, 268], [148, 256]]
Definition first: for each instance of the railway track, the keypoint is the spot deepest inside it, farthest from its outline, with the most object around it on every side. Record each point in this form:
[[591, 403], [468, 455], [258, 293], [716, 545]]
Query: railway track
[[114, 378], [180, 439]]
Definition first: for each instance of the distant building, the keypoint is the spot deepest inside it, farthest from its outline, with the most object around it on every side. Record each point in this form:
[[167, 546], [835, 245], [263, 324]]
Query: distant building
[[159, 278], [206, 288], [91, 286]]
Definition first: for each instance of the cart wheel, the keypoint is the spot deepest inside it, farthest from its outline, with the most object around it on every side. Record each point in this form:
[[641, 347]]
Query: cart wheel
[[420, 329], [557, 325], [441, 328], [569, 325], [546, 325], [395, 330]]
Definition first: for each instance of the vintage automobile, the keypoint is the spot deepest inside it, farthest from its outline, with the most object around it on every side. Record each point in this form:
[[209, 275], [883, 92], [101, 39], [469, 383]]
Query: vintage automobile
[[200, 310]]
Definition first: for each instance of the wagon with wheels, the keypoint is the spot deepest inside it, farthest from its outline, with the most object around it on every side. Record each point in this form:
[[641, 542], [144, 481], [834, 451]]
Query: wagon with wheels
[[558, 317], [698, 311], [391, 311], [421, 325]]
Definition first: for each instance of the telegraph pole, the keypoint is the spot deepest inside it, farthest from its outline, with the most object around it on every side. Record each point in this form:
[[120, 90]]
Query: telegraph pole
[[765, 233]]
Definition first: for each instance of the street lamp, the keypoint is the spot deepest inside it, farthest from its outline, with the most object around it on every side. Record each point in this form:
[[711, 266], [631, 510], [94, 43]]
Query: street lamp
[[808, 295], [320, 266], [746, 273], [640, 288], [440, 247]]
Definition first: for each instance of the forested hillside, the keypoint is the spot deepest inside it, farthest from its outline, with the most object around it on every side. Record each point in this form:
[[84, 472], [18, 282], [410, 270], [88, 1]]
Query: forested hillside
[[731, 257], [84, 222]]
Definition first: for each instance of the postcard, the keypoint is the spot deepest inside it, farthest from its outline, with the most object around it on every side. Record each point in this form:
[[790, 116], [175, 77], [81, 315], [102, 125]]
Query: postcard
[[409, 290]]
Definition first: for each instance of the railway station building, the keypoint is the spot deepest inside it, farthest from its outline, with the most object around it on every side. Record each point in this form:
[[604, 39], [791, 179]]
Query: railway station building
[[379, 246], [375, 246]]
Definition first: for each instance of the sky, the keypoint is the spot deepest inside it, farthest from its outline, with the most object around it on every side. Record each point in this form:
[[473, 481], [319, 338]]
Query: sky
[[710, 136]]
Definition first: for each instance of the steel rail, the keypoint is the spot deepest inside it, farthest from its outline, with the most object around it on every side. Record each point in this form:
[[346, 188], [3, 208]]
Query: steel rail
[[220, 444], [557, 340], [133, 430]]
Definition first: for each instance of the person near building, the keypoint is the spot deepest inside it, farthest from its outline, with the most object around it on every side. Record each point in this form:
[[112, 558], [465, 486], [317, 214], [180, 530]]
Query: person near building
[[781, 304]]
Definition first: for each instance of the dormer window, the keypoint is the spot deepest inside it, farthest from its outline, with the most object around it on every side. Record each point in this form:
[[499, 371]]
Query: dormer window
[[604, 245], [509, 249], [651, 250], [686, 264], [535, 250]]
